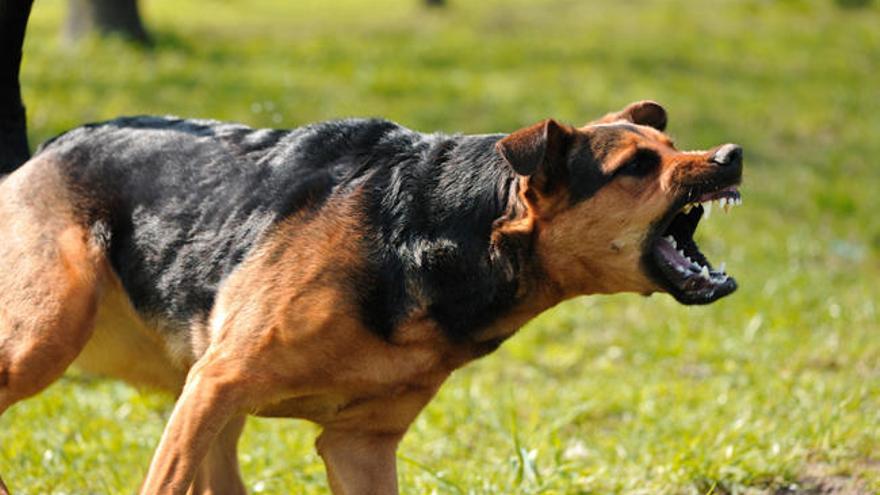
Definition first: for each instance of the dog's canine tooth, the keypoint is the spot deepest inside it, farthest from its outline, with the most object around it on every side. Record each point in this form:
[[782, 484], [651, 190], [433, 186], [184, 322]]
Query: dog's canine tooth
[[722, 267], [704, 272], [707, 209]]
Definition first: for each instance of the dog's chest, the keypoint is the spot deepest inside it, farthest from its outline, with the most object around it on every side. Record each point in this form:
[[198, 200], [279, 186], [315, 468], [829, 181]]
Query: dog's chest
[[374, 383]]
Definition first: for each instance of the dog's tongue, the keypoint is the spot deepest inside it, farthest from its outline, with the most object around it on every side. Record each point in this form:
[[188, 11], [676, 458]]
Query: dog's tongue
[[668, 252]]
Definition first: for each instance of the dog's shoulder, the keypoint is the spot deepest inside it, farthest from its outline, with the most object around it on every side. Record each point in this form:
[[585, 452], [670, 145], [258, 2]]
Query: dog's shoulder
[[169, 136]]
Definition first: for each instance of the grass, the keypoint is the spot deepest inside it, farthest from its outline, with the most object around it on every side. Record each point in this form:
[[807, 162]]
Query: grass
[[601, 395]]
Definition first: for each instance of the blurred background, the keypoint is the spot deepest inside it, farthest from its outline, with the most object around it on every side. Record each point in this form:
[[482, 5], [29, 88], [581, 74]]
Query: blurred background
[[774, 390]]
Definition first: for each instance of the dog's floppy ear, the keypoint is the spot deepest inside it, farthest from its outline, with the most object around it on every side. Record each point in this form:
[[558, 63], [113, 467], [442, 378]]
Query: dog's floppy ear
[[538, 152], [646, 112]]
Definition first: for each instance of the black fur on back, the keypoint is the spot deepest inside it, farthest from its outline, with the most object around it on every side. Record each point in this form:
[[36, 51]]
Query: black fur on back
[[185, 201]]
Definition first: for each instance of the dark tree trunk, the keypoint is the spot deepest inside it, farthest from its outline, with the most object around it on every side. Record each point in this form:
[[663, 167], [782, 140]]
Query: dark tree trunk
[[119, 17], [435, 3], [13, 125]]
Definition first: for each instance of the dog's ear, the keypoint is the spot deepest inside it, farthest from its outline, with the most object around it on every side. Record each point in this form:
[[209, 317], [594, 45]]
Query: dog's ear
[[646, 112], [538, 152]]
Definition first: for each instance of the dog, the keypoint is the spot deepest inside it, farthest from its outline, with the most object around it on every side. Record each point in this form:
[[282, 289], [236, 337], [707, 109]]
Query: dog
[[337, 272]]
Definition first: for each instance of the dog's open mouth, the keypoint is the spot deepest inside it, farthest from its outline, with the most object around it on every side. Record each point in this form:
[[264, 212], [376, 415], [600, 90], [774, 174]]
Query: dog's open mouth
[[676, 260]]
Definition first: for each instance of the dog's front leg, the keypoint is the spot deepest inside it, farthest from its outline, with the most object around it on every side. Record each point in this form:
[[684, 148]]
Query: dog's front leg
[[360, 463], [212, 396], [219, 473]]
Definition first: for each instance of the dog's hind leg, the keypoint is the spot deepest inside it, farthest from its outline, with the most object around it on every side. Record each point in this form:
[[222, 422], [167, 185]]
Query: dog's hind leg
[[49, 275]]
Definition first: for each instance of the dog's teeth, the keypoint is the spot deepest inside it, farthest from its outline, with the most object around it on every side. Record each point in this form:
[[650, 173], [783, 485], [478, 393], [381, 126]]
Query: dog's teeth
[[722, 266], [687, 208], [704, 272], [707, 209], [671, 241]]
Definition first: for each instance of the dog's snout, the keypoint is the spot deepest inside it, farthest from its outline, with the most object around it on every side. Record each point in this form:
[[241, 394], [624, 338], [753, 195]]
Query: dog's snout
[[728, 154]]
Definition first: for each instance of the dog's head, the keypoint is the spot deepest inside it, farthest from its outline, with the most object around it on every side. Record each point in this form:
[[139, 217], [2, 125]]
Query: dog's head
[[614, 205]]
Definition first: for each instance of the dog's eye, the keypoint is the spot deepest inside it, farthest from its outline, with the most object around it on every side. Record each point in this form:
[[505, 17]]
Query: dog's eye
[[643, 163]]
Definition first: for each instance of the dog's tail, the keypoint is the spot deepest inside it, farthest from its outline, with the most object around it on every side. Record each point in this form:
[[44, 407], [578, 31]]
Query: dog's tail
[[14, 149]]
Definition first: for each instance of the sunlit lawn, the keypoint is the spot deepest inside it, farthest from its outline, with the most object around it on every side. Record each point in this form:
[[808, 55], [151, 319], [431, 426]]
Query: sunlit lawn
[[775, 386]]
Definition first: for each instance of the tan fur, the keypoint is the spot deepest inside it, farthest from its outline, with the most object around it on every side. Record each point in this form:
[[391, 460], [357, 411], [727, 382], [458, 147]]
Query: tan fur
[[124, 346], [606, 261], [49, 290]]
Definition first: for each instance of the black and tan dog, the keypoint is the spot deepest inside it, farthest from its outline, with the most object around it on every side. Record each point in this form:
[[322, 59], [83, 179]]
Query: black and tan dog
[[337, 272]]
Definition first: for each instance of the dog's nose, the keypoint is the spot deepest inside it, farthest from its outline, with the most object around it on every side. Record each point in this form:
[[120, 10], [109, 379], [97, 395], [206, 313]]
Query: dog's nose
[[728, 154]]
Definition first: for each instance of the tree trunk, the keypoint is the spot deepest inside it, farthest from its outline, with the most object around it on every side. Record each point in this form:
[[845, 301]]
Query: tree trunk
[[119, 17], [13, 125]]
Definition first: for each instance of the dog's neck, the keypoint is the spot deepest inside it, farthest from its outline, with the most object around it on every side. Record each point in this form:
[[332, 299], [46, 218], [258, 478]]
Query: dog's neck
[[515, 287], [513, 252], [435, 211]]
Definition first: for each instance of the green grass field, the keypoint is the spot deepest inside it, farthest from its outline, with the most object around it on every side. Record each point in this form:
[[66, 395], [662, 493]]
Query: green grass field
[[775, 388]]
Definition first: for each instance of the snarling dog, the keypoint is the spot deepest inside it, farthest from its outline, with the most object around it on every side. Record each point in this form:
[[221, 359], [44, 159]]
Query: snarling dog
[[337, 272]]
